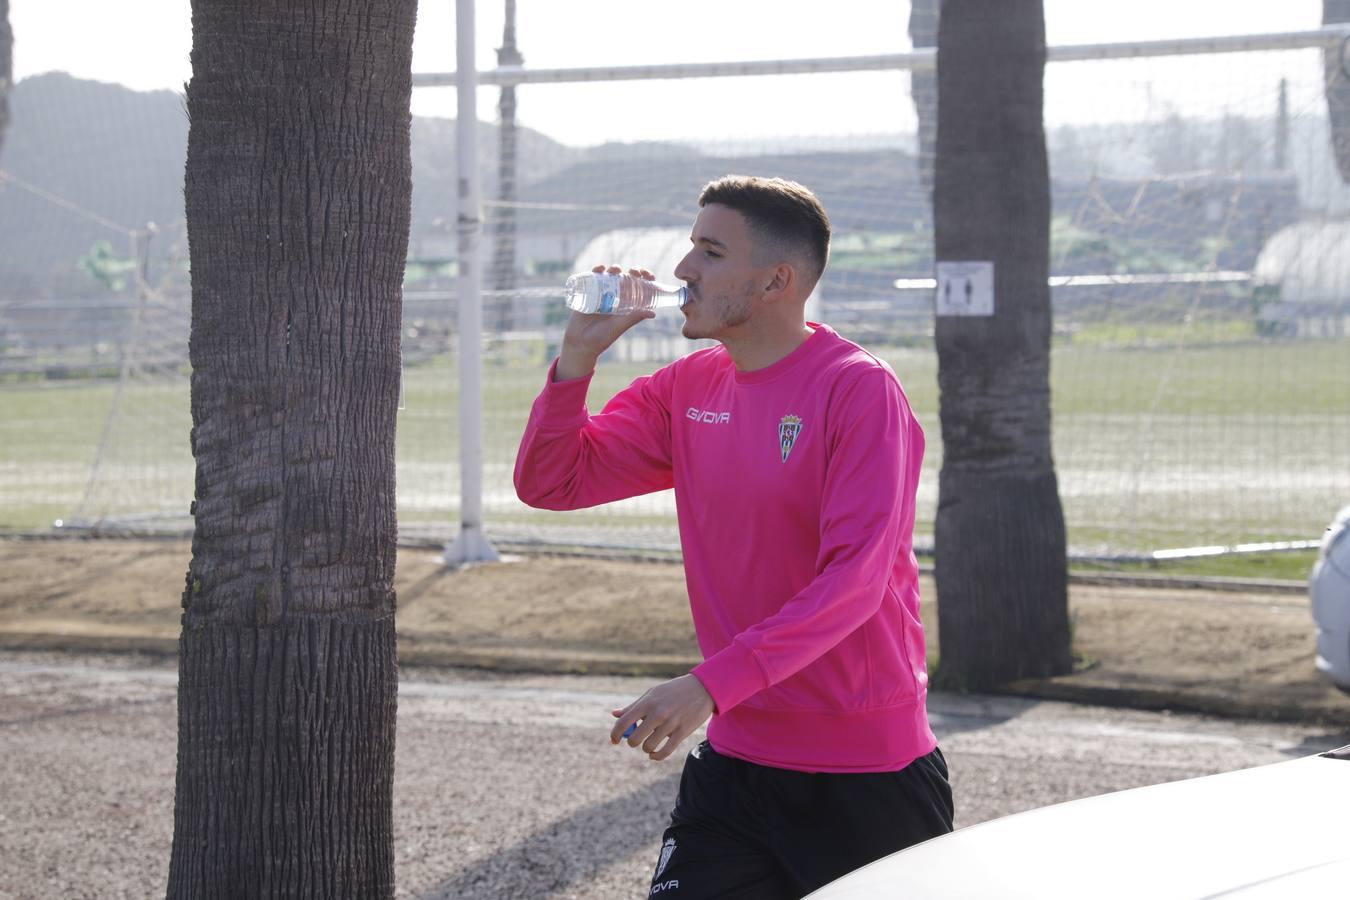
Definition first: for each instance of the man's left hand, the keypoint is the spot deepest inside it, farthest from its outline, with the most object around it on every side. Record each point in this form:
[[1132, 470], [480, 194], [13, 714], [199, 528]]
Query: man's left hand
[[668, 713]]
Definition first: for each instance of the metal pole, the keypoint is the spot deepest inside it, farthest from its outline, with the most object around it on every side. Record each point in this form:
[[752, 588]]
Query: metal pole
[[472, 544], [1282, 127]]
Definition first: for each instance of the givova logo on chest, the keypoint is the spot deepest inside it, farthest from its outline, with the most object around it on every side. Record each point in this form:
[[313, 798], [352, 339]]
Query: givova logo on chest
[[707, 416]]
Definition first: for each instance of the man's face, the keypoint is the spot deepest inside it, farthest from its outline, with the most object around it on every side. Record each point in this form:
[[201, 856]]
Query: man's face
[[722, 280]]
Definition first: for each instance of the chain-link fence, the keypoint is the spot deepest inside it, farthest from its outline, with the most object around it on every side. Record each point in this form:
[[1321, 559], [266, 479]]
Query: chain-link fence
[[1201, 355]]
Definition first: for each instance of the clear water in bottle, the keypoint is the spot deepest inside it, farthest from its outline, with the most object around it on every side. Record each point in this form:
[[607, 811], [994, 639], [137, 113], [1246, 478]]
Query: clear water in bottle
[[600, 292]]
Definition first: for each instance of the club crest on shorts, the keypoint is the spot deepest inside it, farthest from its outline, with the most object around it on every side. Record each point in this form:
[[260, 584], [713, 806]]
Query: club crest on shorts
[[666, 850], [788, 429]]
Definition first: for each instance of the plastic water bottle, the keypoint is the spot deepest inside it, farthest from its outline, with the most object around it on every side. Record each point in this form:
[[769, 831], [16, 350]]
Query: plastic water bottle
[[600, 292]]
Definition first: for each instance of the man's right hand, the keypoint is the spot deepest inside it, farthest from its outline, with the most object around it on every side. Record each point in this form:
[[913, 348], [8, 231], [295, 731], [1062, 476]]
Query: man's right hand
[[587, 336]]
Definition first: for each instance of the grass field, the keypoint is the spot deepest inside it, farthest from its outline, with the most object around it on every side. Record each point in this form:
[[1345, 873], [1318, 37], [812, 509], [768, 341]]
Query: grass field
[[1290, 566], [1154, 447]]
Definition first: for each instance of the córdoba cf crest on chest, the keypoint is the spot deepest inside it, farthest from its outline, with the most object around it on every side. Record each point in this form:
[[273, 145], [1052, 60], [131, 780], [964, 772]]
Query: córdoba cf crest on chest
[[789, 427]]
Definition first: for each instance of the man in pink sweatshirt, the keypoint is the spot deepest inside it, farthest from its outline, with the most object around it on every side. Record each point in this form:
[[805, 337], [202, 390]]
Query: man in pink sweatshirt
[[794, 457]]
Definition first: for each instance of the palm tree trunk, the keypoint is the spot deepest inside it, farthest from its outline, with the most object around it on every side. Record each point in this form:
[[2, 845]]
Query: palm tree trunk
[[1000, 544], [298, 189], [6, 67], [504, 231], [1336, 80], [923, 32]]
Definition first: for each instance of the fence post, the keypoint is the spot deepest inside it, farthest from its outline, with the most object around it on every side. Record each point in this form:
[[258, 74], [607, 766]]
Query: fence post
[[471, 545]]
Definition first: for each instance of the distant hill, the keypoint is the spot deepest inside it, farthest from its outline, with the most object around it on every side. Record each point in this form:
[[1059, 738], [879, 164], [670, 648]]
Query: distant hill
[[874, 190], [109, 153], [103, 159], [103, 152], [435, 172]]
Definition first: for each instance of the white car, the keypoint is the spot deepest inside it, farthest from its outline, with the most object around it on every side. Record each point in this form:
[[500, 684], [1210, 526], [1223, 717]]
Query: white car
[[1329, 585], [1274, 831]]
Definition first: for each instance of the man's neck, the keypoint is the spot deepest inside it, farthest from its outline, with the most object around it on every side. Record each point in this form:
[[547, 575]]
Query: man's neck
[[751, 352]]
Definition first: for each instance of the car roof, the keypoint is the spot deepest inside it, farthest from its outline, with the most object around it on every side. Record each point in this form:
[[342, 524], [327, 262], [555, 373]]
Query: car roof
[[1278, 830]]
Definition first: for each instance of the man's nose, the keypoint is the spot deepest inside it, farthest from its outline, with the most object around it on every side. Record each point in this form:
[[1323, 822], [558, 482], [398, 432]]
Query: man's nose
[[683, 270]]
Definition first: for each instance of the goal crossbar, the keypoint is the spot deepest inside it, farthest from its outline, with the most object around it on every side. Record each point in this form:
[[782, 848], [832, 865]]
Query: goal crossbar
[[914, 60]]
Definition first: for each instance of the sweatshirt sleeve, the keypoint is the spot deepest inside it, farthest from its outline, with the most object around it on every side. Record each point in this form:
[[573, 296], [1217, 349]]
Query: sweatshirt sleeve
[[569, 459], [866, 521]]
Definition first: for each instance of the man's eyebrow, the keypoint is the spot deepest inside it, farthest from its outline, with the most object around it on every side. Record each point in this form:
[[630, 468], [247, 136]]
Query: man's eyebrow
[[707, 240]]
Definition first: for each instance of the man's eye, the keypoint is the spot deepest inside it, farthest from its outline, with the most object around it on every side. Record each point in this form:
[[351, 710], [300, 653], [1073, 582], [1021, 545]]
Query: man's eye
[[713, 253]]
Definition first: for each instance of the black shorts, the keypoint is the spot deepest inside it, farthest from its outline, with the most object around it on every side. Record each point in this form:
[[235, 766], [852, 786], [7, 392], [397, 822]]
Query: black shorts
[[740, 830]]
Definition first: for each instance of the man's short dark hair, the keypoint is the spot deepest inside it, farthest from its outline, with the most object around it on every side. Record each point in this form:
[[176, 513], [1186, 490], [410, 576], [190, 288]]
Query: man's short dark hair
[[785, 216]]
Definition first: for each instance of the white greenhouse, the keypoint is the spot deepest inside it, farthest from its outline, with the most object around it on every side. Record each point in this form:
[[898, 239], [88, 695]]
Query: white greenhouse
[[1303, 273]]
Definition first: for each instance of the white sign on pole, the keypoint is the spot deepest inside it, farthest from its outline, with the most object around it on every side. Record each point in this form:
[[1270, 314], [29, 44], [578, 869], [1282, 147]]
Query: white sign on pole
[[965, 288]]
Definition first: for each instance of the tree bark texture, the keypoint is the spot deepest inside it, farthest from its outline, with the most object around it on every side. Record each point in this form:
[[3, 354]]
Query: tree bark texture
[[504, 230], [6, 68], [298, 192], [923, 32], [999, 534], [285, 761], [504, 224], [1336, 77]]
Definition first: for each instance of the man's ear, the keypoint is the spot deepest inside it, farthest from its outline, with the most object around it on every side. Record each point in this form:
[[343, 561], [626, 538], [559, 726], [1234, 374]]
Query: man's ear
[[782, 279]]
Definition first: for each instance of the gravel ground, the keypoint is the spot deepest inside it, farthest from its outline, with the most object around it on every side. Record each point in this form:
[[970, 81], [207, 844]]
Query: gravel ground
[[506, 786]]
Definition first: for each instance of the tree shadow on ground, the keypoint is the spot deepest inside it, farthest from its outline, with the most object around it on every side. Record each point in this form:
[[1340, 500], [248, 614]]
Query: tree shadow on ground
[[570, 851]]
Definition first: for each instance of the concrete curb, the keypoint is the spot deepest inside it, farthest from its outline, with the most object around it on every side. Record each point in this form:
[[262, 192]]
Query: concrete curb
[[413, 650], [413, 541], [1191, 583], [1066, 688], [416, 649], [88, 643], [419, 649]]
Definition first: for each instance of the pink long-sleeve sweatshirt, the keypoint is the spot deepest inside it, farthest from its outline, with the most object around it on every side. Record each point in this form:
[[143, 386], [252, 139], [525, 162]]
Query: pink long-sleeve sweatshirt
[[794, 486]]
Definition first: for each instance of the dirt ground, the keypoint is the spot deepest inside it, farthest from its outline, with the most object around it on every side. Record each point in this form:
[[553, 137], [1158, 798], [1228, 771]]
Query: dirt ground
[[1242, 654], [116, 589]]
